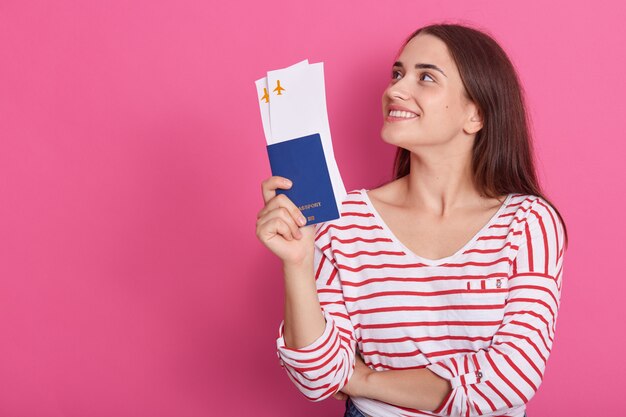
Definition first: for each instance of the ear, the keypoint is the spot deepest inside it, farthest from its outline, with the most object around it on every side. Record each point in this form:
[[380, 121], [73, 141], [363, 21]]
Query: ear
[[475, 120]]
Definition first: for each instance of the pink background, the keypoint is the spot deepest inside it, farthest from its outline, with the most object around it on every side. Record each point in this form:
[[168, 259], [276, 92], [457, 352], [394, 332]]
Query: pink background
[[131, 157]]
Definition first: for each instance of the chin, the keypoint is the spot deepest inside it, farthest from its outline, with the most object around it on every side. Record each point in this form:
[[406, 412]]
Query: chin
[[401, 139]]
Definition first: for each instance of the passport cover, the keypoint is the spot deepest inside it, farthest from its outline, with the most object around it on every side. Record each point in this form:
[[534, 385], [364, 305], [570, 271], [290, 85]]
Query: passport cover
[[302, 161]]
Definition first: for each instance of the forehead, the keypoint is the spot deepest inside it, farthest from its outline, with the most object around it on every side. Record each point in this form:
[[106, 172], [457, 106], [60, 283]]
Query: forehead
[[429, 49]]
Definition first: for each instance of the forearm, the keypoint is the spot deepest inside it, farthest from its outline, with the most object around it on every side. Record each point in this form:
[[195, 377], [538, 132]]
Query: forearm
[[304, 321], [419, 389]]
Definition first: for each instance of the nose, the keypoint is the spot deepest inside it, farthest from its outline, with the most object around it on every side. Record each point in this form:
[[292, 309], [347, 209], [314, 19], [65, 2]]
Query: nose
[[397, 91]]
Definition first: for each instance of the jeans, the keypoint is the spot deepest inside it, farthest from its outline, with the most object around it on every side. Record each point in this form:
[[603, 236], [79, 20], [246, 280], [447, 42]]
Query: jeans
[[352, 411]]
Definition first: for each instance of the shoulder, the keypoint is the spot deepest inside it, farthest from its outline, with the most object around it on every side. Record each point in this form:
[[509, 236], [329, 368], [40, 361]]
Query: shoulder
[[532, 208], [535, 216], [351, 206], [390, 192], [352, 200], [540, 236]]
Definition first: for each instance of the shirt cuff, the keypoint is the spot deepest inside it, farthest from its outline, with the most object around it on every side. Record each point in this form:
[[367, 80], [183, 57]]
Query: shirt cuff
[[315, 351], [448, 370]]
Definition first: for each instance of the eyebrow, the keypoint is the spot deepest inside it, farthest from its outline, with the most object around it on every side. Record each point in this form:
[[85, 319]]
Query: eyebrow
[[418, 66]]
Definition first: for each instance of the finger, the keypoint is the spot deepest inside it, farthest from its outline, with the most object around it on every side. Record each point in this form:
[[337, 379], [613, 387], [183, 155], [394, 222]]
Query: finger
[[281, 200], [269, 186], [285, 215], [274, 200], [272, 225]]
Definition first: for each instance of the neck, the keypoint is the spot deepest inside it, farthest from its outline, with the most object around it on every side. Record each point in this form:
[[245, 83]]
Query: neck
[[440, 184]]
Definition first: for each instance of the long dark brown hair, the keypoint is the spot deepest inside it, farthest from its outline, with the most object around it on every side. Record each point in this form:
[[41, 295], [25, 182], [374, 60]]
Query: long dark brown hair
[[502, 156]]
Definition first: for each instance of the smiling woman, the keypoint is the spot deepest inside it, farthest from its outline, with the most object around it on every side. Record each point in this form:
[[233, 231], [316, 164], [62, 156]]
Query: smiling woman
[[436, 293]]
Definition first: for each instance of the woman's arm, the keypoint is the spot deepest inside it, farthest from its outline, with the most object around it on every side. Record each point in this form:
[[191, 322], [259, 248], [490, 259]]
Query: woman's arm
[[304, 321], [316, 343], [509, 372], [418, 389]]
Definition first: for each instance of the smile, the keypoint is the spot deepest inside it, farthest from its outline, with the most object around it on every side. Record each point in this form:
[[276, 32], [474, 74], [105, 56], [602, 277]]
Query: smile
[[402, 114], [398, 115]]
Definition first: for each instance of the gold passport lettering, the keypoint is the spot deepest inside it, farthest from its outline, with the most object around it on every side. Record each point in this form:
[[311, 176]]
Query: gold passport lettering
[[310, 205]]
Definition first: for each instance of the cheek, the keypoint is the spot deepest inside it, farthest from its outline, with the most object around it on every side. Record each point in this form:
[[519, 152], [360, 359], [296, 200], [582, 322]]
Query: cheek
[[448, 108]]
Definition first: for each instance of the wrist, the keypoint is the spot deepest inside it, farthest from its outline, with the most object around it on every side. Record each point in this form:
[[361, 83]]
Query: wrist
[[298, 267]]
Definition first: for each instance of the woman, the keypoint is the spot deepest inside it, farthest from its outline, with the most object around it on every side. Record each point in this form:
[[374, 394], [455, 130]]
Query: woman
[[436, 293]]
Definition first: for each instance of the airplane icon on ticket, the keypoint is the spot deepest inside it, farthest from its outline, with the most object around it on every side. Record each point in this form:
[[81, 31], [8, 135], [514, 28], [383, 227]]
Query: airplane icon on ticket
[[278, 90]]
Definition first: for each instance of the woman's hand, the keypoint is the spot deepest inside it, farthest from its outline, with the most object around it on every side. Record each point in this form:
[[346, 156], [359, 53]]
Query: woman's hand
[[358, 380], [277, 225]]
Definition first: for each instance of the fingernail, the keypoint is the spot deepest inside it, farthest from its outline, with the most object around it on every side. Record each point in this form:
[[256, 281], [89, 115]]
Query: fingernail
[[302, 220], [287, 183]]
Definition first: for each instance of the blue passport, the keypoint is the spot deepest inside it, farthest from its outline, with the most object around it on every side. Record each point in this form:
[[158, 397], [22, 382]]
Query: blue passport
[[302, 161]]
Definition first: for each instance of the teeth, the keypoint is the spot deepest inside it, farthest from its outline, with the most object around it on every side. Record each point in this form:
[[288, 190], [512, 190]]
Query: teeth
[[404, 114]]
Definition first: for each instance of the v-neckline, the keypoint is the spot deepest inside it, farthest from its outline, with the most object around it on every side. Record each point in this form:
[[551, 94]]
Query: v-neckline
[[421, 259]]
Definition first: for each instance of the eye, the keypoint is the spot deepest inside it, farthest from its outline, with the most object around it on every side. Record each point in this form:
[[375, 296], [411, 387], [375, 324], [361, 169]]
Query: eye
[[428, 75], [394, 72]]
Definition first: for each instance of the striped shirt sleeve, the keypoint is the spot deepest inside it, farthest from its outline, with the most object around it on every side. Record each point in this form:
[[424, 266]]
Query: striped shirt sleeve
[[325, 366], [509, 372]]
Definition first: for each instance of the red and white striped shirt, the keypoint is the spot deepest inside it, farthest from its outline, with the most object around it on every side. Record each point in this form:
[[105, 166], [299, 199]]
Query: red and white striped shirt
[[483, 318]]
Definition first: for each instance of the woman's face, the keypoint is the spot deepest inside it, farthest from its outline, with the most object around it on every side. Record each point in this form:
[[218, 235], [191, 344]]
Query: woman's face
[[434, 94]]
